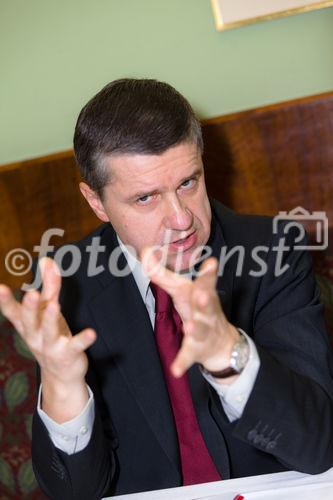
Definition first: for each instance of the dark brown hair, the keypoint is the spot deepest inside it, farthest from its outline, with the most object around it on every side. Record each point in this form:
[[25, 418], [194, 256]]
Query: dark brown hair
[[138, 116]]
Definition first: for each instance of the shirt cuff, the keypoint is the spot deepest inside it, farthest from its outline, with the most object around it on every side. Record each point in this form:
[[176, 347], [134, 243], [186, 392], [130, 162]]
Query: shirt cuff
[[74, 435], [234, 396]]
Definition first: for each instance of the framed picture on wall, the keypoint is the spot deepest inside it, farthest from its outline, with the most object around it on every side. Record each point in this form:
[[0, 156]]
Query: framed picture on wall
[[235, 13]]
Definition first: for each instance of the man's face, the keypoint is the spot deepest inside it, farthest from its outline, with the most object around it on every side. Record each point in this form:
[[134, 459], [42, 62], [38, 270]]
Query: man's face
[[160, 200]]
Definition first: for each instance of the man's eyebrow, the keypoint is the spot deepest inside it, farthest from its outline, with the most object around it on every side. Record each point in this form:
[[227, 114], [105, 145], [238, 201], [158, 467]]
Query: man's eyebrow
[[139, 194], [196, 173]]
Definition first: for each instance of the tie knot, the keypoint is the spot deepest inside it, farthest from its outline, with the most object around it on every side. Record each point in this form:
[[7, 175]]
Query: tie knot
[[163, 301]]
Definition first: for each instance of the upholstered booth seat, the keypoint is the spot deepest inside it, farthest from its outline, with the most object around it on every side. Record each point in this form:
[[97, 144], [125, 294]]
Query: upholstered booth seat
[[17, 402]]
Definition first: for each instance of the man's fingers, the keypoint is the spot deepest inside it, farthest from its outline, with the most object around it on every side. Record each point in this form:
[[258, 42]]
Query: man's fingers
[[10, 308], [30, 311], [51, 279], [50, 324], [183, 361], [152, 262], [204, 299], [83, 340], [207, 275], [206, 308], [204, 292], [196, 329]]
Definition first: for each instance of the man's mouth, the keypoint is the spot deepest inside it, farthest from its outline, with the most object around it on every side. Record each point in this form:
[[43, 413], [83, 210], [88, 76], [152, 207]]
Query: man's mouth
[[185, 243]]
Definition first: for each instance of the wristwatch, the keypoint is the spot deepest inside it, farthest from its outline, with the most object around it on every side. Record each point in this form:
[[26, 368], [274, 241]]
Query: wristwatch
[[239, 357]]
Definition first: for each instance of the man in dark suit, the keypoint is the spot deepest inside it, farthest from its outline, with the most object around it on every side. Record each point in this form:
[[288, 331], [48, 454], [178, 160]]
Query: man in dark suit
[[249, 388]]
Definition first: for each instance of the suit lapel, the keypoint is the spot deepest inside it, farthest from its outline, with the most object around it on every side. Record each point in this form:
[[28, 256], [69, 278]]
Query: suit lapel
[[225, 279], [204, 407]]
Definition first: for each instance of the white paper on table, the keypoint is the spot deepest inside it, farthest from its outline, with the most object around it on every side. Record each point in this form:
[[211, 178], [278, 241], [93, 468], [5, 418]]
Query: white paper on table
[[309, 492], [305, 487], [288, 485]]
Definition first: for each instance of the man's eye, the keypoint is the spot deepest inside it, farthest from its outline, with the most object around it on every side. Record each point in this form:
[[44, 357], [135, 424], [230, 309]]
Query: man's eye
[[188, 183], [144, 200]]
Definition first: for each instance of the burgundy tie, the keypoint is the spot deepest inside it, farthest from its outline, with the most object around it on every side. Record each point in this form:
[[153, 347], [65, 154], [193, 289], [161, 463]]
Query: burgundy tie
[[197, 464]]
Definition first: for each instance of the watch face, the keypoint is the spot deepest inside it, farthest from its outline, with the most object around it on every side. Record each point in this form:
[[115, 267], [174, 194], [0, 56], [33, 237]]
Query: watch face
[[240, 355]]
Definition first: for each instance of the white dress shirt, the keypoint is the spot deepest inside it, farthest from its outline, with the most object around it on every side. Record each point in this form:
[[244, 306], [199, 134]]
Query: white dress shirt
[[74, 435]]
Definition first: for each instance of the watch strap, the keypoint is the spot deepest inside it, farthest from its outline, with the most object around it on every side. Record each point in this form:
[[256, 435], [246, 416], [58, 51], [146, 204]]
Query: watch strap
[[225, 373]]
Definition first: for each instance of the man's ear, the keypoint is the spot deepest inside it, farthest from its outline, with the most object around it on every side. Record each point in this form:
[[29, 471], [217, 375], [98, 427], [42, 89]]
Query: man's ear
[[94, 201]]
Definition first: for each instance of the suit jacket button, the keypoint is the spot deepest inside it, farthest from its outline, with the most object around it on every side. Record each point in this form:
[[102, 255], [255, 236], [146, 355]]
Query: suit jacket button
[[265, 441], [252, 435], [270, 445], [258, 439]]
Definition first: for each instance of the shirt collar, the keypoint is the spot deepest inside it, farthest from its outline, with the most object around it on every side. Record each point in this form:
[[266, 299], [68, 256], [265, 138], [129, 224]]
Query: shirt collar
[[141, 278]]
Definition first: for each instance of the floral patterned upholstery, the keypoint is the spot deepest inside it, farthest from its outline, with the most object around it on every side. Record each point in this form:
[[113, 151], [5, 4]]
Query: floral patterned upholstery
[[18, 397], [17, 401]]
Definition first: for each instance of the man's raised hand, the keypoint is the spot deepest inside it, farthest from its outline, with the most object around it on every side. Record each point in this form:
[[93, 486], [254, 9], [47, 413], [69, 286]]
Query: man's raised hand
[[208, 335], [61, 356]]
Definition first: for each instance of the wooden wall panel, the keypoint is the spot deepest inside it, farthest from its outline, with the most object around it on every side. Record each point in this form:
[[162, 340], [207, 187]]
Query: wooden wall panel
[[37, 195], [273, 158]]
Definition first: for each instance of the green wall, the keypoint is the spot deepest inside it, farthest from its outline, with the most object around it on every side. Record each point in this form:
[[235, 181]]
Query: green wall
[[54, 55]]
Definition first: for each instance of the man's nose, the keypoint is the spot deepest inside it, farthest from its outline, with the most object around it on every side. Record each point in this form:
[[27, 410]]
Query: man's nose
[[177, 214]]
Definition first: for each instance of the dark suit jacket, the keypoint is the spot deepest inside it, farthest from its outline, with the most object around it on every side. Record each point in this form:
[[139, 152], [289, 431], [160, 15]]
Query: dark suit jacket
[[288, 420]]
